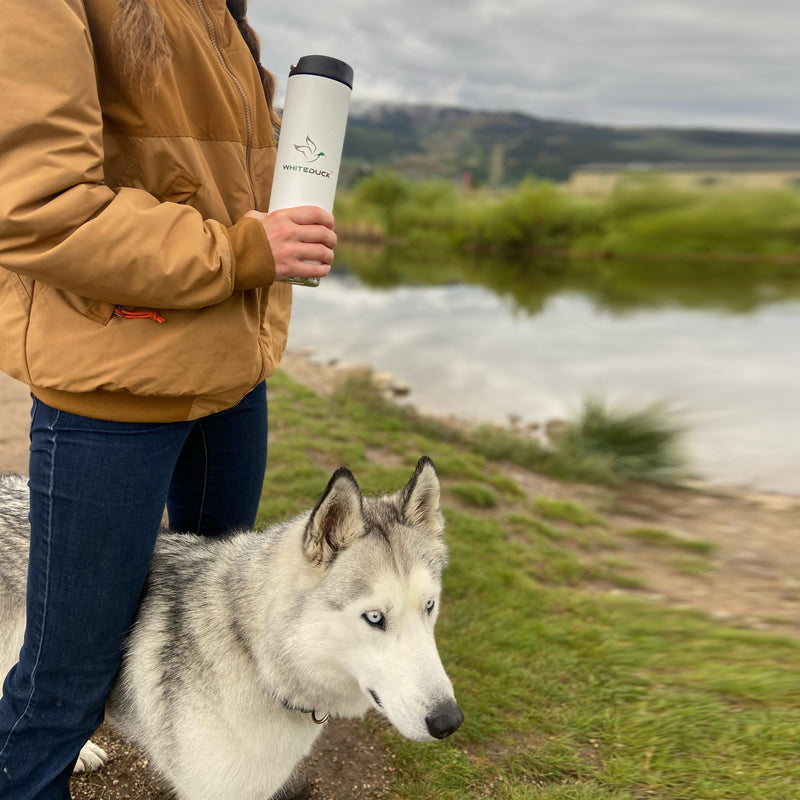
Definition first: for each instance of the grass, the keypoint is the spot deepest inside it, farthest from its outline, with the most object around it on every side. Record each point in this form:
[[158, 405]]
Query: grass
[[567, 511], [568, 695], [475, 494], [624, 443], [657, 537]]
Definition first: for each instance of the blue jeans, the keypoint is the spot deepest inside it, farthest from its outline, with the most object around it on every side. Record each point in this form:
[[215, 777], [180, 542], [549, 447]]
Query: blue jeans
[[98, 492]]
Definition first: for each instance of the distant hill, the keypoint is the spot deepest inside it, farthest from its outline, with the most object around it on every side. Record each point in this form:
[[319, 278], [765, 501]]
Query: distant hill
[[501, 148]]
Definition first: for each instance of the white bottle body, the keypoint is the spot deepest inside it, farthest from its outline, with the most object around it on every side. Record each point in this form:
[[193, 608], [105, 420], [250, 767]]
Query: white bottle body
[[310, 145], [310, 142]]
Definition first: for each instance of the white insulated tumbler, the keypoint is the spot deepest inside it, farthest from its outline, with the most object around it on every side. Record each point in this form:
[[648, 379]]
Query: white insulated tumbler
[[311, 136]]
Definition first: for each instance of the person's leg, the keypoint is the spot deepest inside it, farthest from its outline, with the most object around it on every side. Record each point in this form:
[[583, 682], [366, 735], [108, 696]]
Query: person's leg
[[218, 479], [97, 496], [217, 486]]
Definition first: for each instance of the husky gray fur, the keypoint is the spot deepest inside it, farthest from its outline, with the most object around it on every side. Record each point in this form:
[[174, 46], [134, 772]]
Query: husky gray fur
[[243, 644]]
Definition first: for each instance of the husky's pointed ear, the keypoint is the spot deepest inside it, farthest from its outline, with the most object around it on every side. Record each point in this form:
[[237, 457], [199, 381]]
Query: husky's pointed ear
[[336, 521], [420, 499]]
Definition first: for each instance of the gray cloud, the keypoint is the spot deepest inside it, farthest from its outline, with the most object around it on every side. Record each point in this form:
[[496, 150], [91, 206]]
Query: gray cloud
[[718, 63]]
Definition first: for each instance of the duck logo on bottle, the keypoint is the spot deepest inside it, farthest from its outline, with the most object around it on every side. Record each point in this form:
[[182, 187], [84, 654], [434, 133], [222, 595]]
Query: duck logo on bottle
[[309, 150]]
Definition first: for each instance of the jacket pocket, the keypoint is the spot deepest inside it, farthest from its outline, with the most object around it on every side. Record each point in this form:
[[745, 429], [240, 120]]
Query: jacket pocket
[[97, 311], [16, 294], [182, 189]]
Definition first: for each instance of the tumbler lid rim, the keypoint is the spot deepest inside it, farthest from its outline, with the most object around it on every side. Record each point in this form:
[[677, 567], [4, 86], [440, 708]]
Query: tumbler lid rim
[[325, 67]]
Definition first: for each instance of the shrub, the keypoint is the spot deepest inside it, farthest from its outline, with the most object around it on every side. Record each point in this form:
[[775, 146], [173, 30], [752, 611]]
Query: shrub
[[624, 444]]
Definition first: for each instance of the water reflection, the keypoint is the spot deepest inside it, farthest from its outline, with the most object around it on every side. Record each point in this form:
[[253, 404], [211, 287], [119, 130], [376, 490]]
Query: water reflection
[[535, 348], [618, 286]]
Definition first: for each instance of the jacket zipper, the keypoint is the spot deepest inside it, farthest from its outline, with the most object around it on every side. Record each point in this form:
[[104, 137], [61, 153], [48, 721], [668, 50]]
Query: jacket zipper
[[248, 116], [248, 120]]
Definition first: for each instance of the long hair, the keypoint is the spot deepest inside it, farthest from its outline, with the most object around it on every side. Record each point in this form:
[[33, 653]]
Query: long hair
[[238, 9], [144, 49], [140, 40]]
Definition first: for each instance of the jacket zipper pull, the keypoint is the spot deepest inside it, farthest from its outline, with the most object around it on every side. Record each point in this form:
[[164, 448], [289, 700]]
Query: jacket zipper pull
[[124, 313]]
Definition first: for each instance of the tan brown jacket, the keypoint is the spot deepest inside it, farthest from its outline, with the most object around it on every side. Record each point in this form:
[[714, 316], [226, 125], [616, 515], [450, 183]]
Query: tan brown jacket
[[121, 206]]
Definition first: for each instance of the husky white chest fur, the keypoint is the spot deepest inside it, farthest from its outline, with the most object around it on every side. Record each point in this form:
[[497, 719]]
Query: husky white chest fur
[[243, 644]]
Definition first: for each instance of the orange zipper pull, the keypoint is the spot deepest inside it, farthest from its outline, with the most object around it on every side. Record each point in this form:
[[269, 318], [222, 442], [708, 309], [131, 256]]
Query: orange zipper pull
[[124, 313]]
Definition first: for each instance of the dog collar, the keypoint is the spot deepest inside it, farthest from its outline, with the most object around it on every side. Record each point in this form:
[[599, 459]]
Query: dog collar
[[312, 711]]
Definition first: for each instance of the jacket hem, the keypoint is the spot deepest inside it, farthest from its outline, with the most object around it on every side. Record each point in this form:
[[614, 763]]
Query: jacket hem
[[117, 406]]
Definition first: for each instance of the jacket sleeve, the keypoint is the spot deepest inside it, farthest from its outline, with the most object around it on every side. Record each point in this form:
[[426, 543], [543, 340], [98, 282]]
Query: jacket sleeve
[[59, 222]]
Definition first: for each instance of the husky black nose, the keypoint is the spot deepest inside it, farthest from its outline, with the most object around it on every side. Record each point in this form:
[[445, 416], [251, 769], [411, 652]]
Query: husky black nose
[[445, 719]]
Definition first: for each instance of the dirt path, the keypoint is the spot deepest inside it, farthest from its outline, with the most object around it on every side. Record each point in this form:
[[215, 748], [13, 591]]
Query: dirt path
[[750, 573], [753, 574]]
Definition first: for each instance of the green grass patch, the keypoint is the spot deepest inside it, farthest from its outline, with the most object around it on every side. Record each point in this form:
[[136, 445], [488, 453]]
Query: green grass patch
[[474, 494], [658, 537], [619, 443], [566, 511], [693, 567], [568, 695], [532, 528]]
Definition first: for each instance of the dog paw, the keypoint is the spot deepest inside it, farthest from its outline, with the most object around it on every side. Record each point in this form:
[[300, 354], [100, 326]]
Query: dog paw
[[91, 758]]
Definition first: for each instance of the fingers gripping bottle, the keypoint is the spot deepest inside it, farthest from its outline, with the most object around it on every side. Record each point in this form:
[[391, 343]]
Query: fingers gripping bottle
[[311, 136]]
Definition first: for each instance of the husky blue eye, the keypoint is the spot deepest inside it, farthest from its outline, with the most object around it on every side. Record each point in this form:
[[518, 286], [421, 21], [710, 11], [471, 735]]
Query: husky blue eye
[[429, 607], [375, 618]]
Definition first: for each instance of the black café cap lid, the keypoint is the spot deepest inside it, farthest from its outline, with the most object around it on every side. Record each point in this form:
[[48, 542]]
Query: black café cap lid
[[324, 66]]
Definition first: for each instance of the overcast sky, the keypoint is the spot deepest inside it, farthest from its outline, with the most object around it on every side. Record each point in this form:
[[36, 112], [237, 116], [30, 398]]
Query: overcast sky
[[709, 63]]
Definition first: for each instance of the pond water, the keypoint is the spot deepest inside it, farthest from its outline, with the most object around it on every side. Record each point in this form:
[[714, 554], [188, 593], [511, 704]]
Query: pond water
[[733, 377]]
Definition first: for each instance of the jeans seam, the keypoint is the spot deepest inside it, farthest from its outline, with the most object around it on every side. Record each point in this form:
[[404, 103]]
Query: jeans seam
[[52, 428], [205, 478]]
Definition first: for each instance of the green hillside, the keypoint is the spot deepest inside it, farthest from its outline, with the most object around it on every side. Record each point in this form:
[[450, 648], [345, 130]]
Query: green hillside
[[500, 148]]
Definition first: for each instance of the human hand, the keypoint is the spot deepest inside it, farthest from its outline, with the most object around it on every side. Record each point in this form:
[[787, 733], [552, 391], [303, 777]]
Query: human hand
[[301, 239]]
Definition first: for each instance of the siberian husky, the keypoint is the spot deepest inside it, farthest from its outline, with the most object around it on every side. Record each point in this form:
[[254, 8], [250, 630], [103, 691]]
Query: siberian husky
[[244, 645]]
